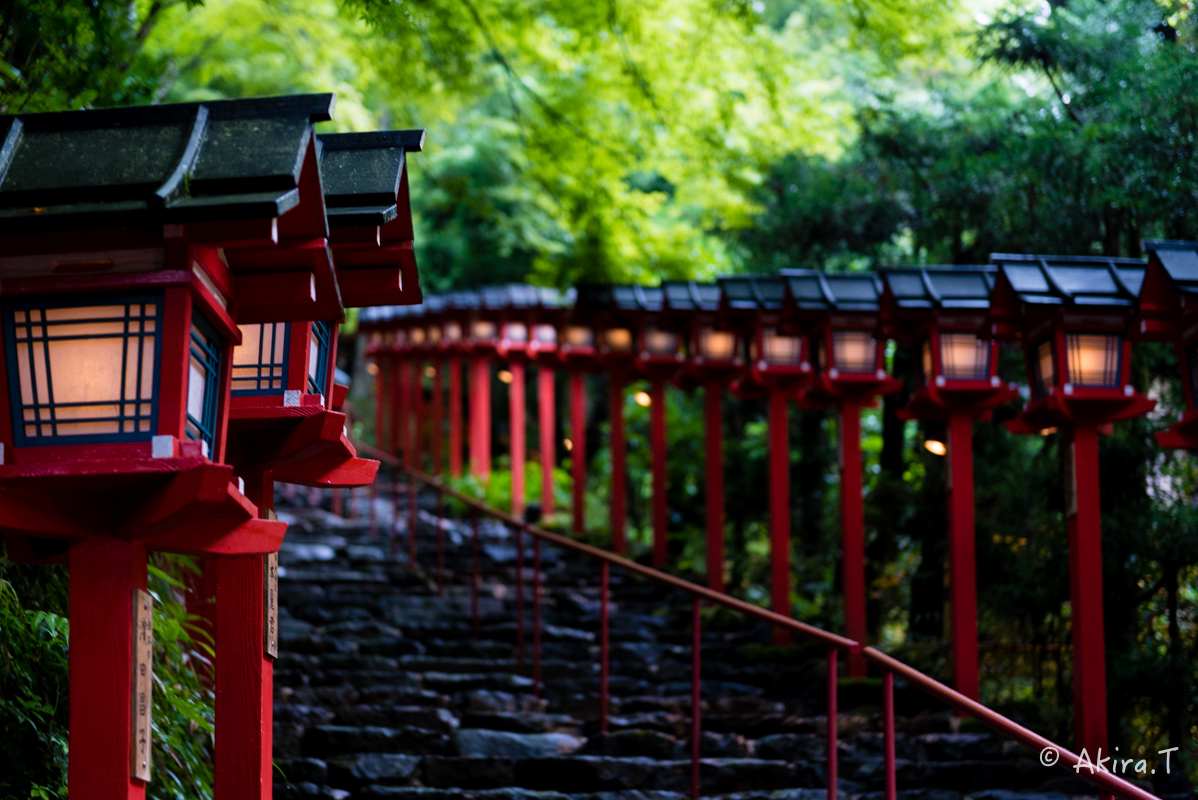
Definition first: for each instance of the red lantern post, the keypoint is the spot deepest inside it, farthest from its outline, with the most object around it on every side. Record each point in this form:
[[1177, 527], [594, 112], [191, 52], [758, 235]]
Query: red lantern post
[[777, 365], [542, 348], [843, 313], [576, 349], [615, 310], [661, 359], [940, 312], [481, 338], [713, 360], [1073, 315]]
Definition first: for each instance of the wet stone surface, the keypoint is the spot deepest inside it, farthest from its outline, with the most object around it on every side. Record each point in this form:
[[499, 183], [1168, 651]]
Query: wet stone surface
[[386, 688]]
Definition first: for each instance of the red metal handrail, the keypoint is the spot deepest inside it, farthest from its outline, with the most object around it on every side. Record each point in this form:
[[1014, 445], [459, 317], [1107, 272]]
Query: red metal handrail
[[1105, 781]]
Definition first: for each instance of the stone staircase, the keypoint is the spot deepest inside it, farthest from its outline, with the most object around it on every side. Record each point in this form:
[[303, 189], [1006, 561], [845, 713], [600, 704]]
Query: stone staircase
[[382, 691]]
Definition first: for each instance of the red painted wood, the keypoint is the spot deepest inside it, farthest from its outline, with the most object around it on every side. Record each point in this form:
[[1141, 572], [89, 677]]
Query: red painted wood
[[536, 617], [961, 559], [380, 403], [438, 446], [779, 509], [397, 403], [1085, 578], [455, 418], [519, 601], [605, 576], [404, 421], [480, 417], [516, 420], [657, 446], [297, 356], [618, 464], [714, 422], [696, 702], [416, 436], [833, 726], [546, 425], [852, 531], [578, 450], [104, 573], [244, 680], [474, 576], [176, 339], [888, 734], [277, 294]]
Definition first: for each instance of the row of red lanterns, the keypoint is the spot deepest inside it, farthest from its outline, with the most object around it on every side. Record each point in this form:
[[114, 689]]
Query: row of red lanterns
[[818, 339], [172, 280]]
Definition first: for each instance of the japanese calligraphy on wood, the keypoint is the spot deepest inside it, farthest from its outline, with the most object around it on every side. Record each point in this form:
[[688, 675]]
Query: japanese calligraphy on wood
[[270, 604], [143, 649]]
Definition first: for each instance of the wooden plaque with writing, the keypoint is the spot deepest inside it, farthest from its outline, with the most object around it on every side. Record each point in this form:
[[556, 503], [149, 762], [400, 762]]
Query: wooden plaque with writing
[[143, 670], [270, 604]]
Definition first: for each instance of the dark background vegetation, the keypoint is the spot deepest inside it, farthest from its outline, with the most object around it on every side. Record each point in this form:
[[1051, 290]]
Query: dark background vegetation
[[570, 142]]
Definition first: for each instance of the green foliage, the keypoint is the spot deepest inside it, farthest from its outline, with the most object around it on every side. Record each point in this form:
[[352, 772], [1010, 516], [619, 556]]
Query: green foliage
[[33, 681], [57, 54], [183, 698], [34, 691]]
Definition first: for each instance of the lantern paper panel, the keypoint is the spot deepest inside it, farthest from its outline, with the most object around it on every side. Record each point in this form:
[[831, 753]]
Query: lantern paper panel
[[260, 361], [84, 373], [964, 356]]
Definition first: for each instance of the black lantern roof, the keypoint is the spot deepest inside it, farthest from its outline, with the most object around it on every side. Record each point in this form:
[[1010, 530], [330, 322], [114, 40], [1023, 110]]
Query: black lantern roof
[[691, 296], [752, 292], [815, 290], [362, 174], [519, 296], [619, 297], [153, 165], [1180, 261], [941, 287], [463, 300], [1072, 280]]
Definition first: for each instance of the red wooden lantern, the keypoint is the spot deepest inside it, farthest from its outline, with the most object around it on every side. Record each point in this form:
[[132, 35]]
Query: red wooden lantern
[[527, 332], [1168, 312], [713, 359], [940, 311], [841, 312], [133, 240], [776, 354], [576, 348], [616, 314], [1072, 315], [282, 427]]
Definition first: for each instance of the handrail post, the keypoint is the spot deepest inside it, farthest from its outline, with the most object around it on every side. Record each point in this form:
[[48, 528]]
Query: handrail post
[[536, 618], [412, 521], [395, 513], [519, 600], [440, 543], [833, 726], [603, 647], [474, 576], [696, 710], [374, 513], [578, 451], [888, 734]]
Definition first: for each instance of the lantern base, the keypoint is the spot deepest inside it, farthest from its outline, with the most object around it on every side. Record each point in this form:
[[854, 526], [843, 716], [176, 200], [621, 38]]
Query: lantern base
[[1181, 434], [1085, 406], [183, 505], [823, 391], [930, 402], [305, 444]]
